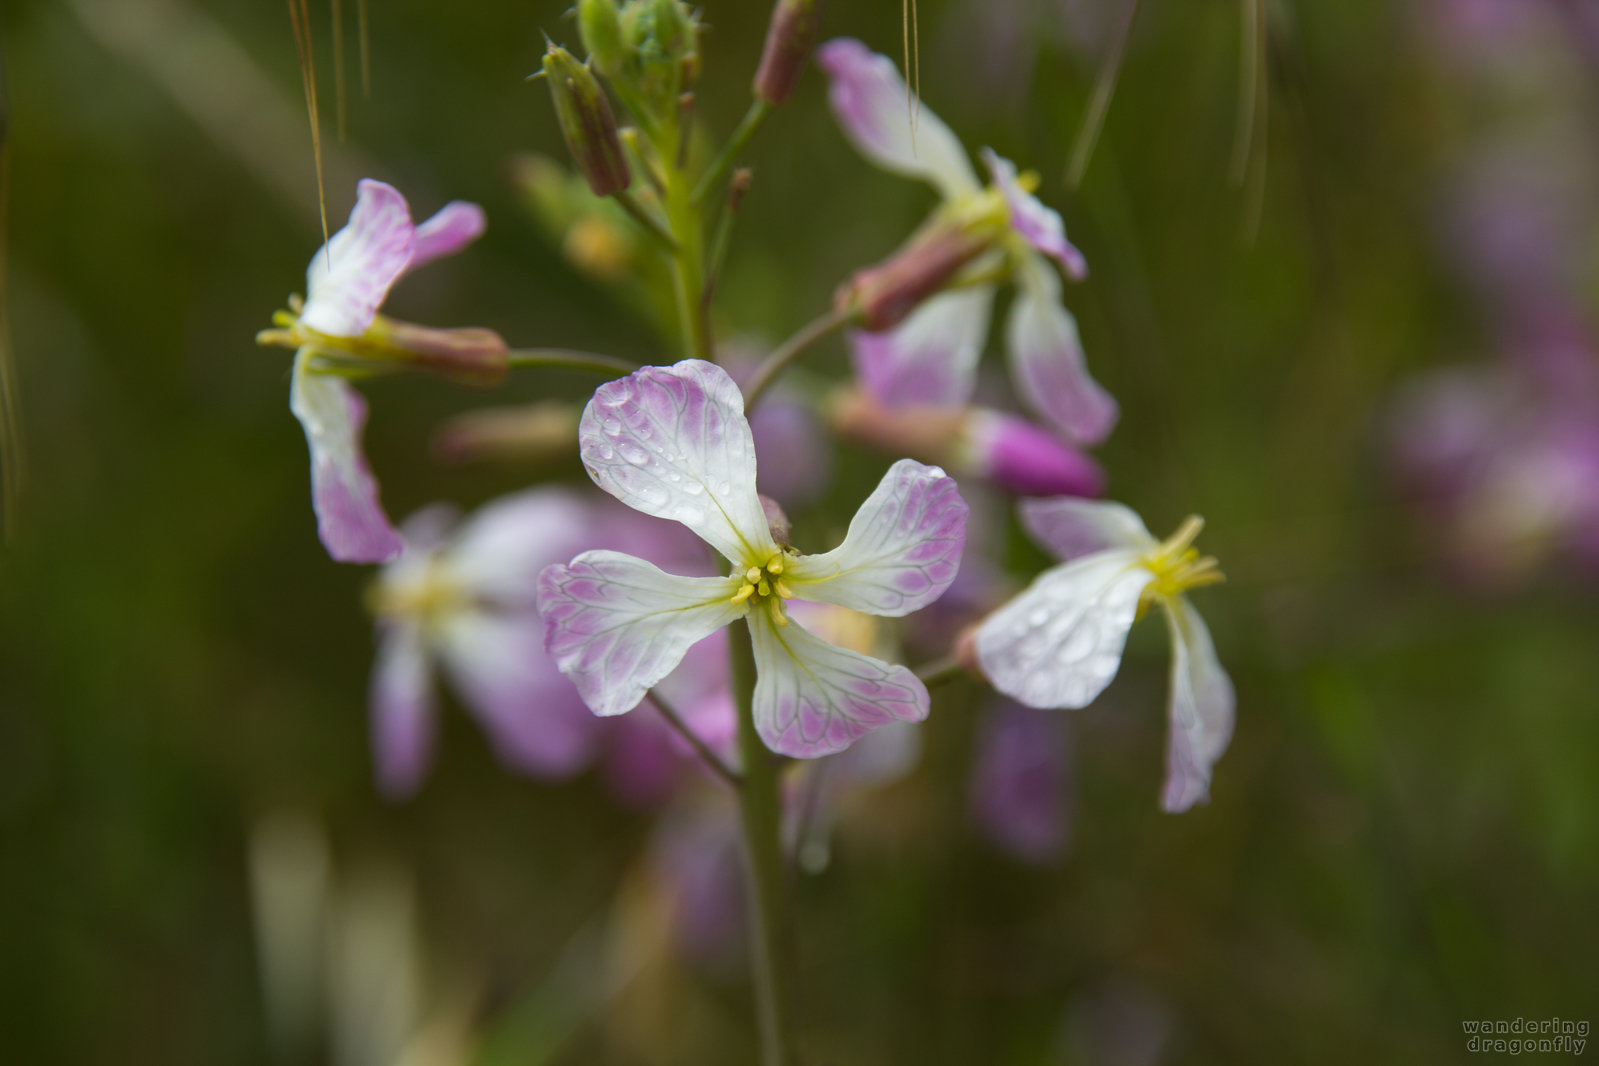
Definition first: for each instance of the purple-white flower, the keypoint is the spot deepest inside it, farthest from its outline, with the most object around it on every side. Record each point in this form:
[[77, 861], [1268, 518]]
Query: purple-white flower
[[1021, 782], [1060, 642], [931, 356], [463, 597], [338, 334], [673, 442]]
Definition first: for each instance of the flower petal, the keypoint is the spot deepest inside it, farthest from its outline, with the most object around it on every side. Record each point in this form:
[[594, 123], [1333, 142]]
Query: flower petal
[[533, 715], [673, 442], [875, 109], [902, 550], [350, 520], [401, 709], [498, 553], [351, 274], [931, 357], [1202, 706], [1038, 225], [1071, 528], [617, 625], [1060, 642], [453, 227], [813, 698], [1047, 363], [1020, 781]]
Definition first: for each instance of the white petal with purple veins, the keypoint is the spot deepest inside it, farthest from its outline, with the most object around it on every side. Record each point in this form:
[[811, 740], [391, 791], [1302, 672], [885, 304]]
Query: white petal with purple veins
[[453, 227], [813, 698], [350, 520], [1060, 642], [890, 129], [351, 274], [1070, 528], [1202, 706], [902, 550], [931, 357], [401, 709], [617, 625], [533, 715], [1038, 225], [673, 442], [1047, 363]]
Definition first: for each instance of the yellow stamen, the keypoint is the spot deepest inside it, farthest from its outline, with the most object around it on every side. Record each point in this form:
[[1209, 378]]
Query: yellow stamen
[[1178, 566], [1029, 180], [744, 593], [776, 607], [782, 589], [752, 575], [776, 565], [763, 588]]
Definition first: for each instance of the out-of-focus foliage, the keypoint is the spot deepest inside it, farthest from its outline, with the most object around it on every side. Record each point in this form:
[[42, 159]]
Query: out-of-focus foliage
[[1404, 834]]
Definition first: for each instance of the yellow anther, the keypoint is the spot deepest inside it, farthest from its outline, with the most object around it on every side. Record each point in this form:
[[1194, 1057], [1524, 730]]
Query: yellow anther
[[1178, 566], [284, 320], [763, 588], [752, 575], [1029, 180], [776, 565], [744, 593], [782, 589], [776, 607]]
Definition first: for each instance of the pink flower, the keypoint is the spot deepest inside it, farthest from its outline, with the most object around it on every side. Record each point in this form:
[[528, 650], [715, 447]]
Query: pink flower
[[1060, 642], [673, 442], [1020, 782], [931, 356], [346, 282]]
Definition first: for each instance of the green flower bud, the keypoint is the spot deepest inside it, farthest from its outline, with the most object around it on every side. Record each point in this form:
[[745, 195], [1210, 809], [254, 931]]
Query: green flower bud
[[600, 24], [587, 123]]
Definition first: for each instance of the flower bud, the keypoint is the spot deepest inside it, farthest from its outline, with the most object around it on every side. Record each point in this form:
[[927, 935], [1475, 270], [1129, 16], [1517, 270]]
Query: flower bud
[[540, 432], [885, 294], [471, 356], [587, 123], [1026, 459], [776, 521], [790, 36], [664, 37], [600, 25]]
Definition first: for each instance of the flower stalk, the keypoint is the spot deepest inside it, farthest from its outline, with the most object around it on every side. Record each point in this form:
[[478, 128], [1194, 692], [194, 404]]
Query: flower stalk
[[772, 945]]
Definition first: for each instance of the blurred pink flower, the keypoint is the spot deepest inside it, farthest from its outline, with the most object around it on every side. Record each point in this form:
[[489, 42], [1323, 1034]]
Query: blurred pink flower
[[930, 357], [1021, 781]]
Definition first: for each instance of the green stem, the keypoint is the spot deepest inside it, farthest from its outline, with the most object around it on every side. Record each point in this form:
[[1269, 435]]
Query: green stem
[[940, 671], [759, 814], [713, 762], [774, 364], [642, 216], [567, 359], [688, 257], [732, 149]]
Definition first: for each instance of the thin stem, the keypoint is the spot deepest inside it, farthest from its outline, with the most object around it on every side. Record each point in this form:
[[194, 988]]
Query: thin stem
[[732, 149], [650, 223], [792, 349], [712, 760], [759, 810], [1099, 103], [939, 671], [568, 359]]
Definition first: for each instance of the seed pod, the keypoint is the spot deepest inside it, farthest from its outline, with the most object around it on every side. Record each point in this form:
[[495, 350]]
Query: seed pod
[[790, 36], [587, 123]]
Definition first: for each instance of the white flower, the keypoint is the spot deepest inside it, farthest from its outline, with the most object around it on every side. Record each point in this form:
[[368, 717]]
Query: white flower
[[1060, 642]]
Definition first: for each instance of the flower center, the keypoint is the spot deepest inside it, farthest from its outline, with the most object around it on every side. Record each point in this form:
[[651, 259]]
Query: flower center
[[1178, 566], [763, 587], [426, 599]]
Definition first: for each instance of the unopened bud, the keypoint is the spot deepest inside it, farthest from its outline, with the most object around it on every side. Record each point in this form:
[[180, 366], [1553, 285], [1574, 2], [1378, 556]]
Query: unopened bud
[[537, 432], [790, 36], [1026, 459], [471, 356], [664, 37], [885, 294], [587, 123], [600, 25]]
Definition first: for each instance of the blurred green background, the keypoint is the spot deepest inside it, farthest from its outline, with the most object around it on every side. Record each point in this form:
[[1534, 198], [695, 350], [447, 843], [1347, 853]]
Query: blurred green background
[[1402, 835]]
